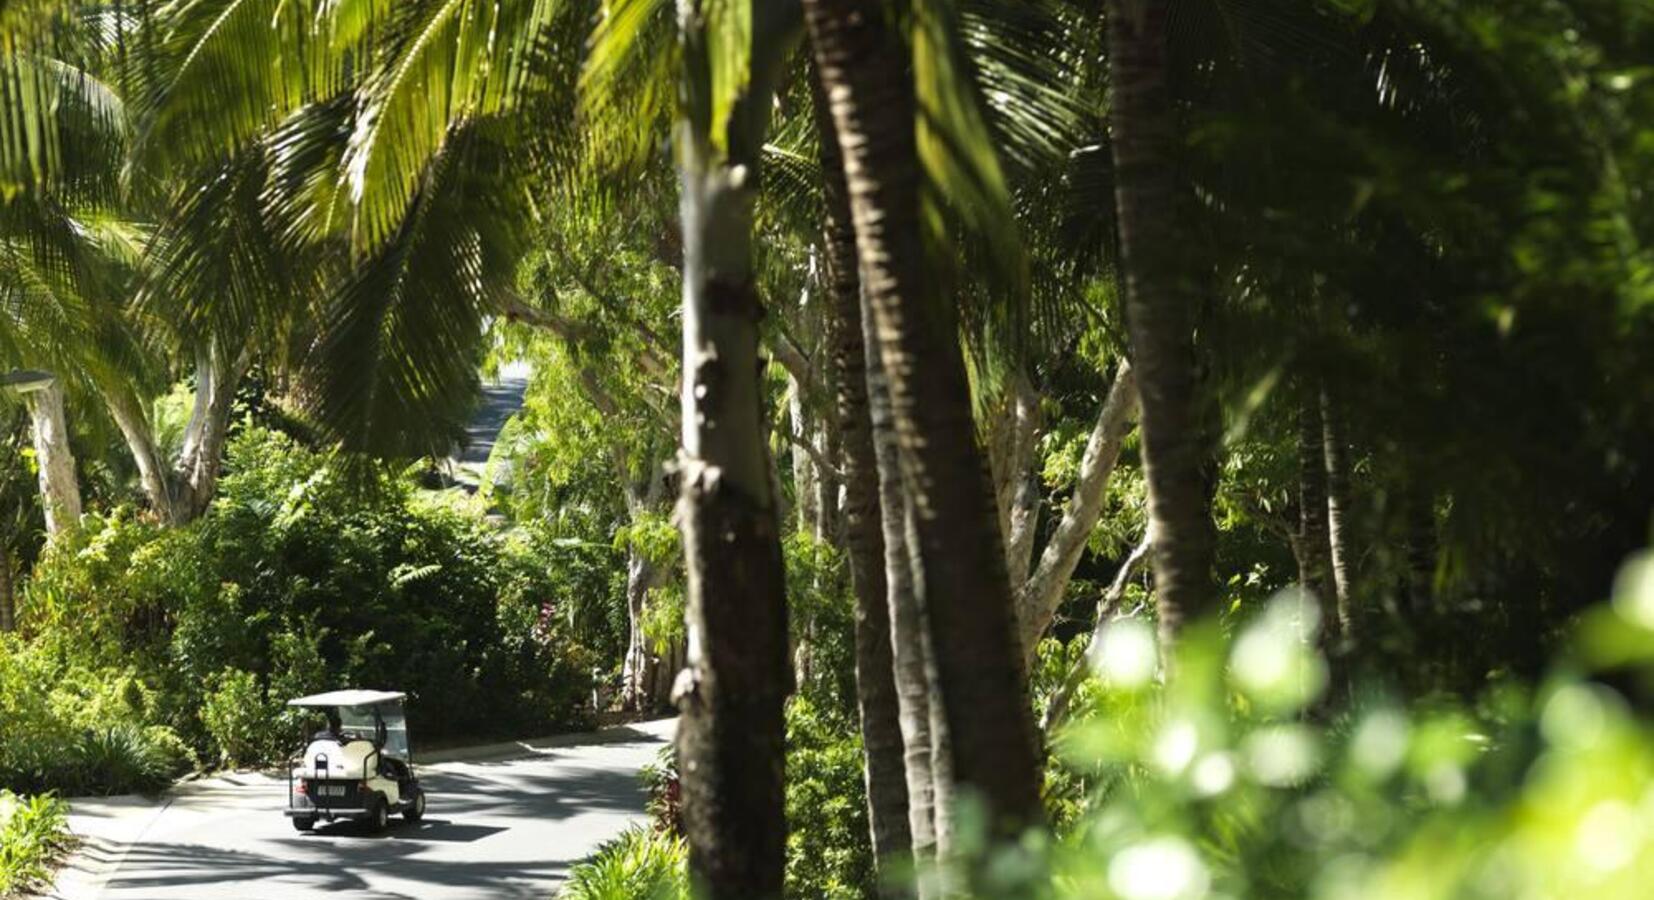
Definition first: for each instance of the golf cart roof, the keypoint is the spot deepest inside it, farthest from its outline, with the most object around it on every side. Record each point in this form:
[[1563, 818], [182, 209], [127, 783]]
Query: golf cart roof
[[348, 698]]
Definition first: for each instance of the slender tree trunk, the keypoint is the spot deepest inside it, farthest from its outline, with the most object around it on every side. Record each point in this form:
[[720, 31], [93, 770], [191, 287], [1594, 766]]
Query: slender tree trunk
[[1042, 593], [636, 678], [876, 694], [1013, 438], [59, 485], [805, 480], [1160, 307], [731, 734], [962, 581], [1337, 453], [1314, 549], [8, 593], [217, 377], [133, 421], [917, 700]]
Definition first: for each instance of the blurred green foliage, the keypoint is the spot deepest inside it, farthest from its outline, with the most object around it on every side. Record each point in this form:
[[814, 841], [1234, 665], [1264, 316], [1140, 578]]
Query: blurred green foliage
[[1229, 777]]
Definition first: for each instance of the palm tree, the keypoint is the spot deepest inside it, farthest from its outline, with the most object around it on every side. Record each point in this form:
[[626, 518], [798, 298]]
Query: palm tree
[[958, 558], [1160, 309], [882, 740]]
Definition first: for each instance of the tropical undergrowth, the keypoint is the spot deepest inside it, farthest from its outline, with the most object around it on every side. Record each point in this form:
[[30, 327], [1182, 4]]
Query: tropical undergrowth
[[34, 833], [147, 650]]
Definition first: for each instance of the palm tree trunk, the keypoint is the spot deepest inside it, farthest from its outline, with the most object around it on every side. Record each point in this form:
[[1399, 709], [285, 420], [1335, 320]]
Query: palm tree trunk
[[1159, 312], [1337, 453], [960, 560], [917, 700], [731, 736], [881, 730], [1315, 550], [59, 485]]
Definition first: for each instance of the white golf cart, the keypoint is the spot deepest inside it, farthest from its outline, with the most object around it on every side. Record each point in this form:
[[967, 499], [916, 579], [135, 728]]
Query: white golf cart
[[358, 767]]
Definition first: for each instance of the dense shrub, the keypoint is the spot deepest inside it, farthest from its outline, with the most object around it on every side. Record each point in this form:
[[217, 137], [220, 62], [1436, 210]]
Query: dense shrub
[[640, 864], [829, 853], [34, 831], [309, 572]]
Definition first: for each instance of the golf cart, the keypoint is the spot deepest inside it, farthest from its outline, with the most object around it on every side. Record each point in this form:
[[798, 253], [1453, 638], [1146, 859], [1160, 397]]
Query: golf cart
[[358, 767]]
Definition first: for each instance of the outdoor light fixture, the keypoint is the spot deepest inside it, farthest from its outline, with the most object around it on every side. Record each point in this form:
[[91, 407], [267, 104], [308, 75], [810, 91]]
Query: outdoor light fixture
[[26, 381]]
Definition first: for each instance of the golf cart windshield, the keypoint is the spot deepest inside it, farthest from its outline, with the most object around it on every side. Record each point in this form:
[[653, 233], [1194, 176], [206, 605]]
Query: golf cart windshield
[[358, 722], [396, 730]]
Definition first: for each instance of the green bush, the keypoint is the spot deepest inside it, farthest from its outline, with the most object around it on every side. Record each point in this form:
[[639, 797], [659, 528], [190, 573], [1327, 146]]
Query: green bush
[[34, 832], [309, 572], [640, 864], [829, 853], [243, 723]]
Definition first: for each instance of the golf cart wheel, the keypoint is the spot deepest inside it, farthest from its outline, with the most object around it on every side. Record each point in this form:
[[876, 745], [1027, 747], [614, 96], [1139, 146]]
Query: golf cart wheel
[[416, 809], [379, 817], [302, 824]]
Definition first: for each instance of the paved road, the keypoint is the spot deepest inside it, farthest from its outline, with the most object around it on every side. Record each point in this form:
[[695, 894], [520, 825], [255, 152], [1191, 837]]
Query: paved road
[[500, 828], [501, 400]]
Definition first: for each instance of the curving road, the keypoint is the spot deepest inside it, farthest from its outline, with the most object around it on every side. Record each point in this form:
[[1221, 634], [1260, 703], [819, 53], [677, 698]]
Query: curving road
[[504, 821]]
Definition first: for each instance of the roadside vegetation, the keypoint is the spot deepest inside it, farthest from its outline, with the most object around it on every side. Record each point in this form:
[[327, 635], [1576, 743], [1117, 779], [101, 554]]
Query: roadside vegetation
[[1129, 449], [34, 833]]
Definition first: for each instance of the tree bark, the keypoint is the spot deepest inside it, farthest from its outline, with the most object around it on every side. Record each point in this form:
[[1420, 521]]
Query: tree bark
[[1042, 593], [637, 671], [1013, 438], [917, 695], [1314, 551], [731, 733], [961, 577], [133, 421], [1160, 307], [59, 485], [1337, 458], [876, 693], [8, 593], [217, 377]]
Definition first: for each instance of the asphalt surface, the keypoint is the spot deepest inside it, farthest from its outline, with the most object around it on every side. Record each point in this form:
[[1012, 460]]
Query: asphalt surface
[[494, 828], [501, 399]]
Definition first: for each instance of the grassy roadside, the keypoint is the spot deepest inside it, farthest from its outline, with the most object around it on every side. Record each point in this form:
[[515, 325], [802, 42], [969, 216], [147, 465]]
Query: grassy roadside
[[34, 837]]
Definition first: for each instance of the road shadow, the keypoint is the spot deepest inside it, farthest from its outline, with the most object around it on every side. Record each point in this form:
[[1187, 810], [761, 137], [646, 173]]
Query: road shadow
[[428, 830]]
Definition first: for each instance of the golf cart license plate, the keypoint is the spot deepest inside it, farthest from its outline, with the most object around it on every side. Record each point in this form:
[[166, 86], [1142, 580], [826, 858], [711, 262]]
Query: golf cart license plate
[[332, 790]]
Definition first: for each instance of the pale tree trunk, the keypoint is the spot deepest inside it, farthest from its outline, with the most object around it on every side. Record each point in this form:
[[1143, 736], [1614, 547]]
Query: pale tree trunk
[[133, 421], [731, 733], [59, 485], [883, 743], [1042, 592], [805, 482], [1160, 309], [642, 576], [1013, 435], [1314, 549], [179, 494], [1337, 457], [217, 377]]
